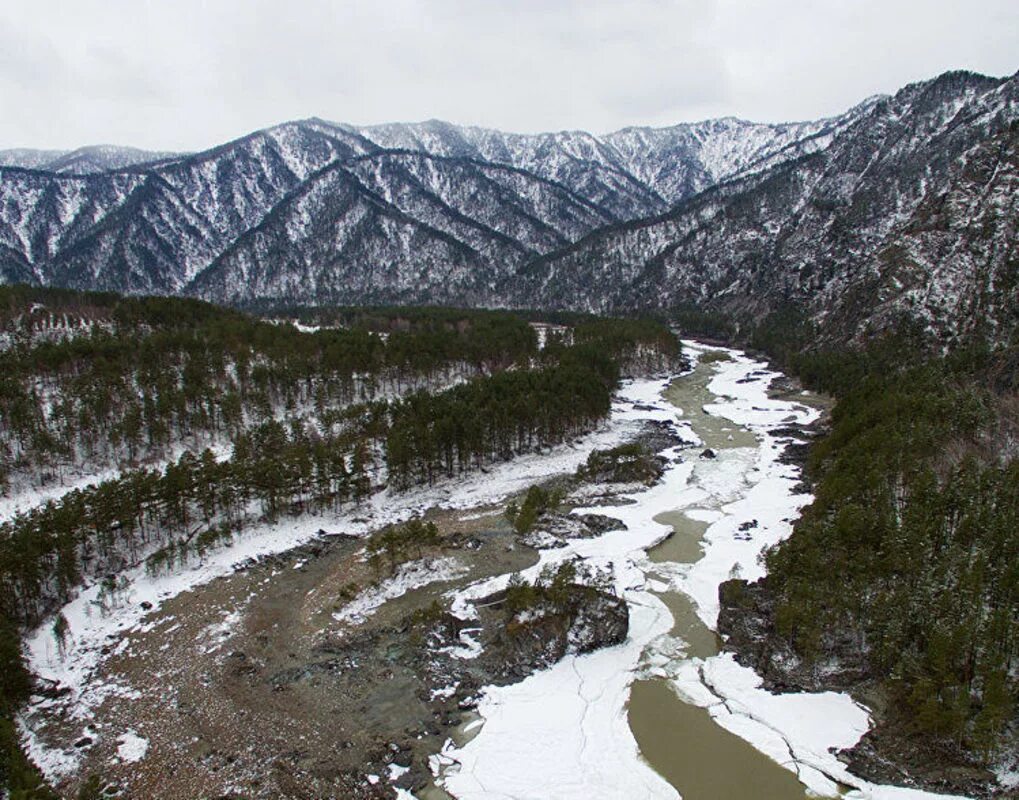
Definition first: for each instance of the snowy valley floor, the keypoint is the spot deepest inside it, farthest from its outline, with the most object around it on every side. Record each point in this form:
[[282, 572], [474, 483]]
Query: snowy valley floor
[[563, 732]]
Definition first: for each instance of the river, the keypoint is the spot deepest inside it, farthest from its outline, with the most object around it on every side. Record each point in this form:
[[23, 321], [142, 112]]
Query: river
[[701, 760], [664, 714]]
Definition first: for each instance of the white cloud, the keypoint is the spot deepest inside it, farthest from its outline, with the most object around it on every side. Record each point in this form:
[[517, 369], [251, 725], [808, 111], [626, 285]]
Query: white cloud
[[190, 74]]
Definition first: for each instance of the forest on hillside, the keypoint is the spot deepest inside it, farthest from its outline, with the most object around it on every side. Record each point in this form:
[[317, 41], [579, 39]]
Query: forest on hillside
[[134, 380], [904, 571]]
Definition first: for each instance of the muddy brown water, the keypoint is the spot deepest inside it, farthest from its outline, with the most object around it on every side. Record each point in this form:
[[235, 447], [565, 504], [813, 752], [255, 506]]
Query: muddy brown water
[[684, 546], [680, 741], [690, 393], [699, 757]]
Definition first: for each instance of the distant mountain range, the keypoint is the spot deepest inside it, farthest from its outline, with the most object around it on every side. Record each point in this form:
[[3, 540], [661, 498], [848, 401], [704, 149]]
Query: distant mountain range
[[904, 205], [83, 161]]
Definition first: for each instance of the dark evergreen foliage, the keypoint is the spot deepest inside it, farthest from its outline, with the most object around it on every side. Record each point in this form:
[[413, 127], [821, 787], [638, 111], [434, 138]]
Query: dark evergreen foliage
[[911, 548], [536, 502], [155, 372]]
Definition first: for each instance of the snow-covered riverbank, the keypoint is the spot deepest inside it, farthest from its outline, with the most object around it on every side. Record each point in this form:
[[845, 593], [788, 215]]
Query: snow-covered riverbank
[[564, 732], [101, 625]]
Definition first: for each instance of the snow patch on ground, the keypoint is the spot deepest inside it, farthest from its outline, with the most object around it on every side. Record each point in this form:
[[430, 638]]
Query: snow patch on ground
[[215, 635], [131, 747], [1009, 778], [444, 692], [409, 576], [54, 762], [468, 648]]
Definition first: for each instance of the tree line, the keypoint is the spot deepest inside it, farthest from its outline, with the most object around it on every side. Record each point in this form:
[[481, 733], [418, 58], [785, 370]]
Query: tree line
[[274, 469], [432, 435]]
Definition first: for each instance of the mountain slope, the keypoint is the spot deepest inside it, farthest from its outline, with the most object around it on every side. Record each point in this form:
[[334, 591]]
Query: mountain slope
[[155, 227], [152, 229], [399, 226], [337, 241], [954, 262], [808, 230], [577, 160]]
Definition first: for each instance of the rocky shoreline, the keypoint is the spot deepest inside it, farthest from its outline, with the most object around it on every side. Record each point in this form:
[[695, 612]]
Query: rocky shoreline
[[891, 752]]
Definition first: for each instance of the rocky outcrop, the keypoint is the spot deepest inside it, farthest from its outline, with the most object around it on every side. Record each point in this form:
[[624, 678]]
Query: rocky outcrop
[[586, 620], [632, 463], [746, 622]]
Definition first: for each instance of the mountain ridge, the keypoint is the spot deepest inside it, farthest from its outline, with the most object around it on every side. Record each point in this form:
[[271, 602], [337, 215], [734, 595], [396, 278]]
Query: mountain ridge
[[675, 257], [734, 215]]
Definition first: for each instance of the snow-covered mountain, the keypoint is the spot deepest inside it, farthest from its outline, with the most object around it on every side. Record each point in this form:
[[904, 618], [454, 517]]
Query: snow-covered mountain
[[325, 211], [910, 211], [902, 205], [683, 160], [82, 161], [400, 227], [154, 227], [317, 199], [578, 160]]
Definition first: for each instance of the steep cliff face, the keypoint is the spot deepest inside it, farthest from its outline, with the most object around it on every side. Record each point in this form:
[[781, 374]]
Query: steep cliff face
[[954, 262]]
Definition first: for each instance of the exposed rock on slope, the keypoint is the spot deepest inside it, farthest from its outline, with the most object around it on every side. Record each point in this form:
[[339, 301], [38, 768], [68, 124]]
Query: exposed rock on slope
[[826, 230]]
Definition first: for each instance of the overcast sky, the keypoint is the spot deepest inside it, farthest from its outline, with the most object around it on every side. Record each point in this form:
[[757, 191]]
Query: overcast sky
[[188, 74]]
